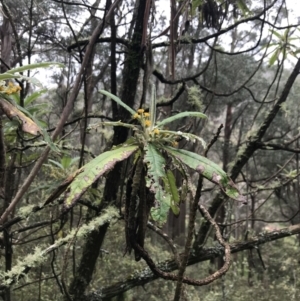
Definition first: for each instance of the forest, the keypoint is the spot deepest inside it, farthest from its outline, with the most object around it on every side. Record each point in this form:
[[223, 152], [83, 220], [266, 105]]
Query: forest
[[149, 150]]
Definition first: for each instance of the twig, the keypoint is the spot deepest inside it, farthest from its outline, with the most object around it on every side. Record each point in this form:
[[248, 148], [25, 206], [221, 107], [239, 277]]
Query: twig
[[212, 142], [220, 239], [189, 239], [167, 239]]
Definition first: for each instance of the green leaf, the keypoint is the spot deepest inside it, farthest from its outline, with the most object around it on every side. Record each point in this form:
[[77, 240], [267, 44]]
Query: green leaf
[[39, 109], [15, 97], [5, 76], [57, 164], [28, 100], [32, 80], [277, 34], [286, 35], [243, 7], [156, 171], [92, 171], [188, 136], [118, 101], [180, 115], [11, 73], [208, 169], [155, 163], [159, 212], [65, 162], [274, 56], [199, 163], [34, 66], [42, 130], [172, 190], [36, 82], [152, 110]]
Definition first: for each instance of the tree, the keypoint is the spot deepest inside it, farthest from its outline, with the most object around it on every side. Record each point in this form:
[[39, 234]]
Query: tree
[[203, 59]]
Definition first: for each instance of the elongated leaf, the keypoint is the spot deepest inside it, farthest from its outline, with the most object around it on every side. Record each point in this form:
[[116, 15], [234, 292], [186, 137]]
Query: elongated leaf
[[12, 73], [208, 169], [36, 82], [118, 101], [188, 136], [28, 100], [277, 34], [180, 115], [152, 107], [34, 66], [89, 173], [57, 164], [155, 162], [194, 138], [286, 35], [156, 171], [32, 80], [172, 190], [65, 162], [274, 56], [5, 76]]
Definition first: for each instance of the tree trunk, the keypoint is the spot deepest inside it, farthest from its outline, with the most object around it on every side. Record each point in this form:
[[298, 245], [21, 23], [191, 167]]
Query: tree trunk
[[132, 65]]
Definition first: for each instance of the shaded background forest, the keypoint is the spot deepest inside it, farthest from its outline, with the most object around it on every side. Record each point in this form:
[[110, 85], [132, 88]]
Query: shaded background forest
[[236, 61]]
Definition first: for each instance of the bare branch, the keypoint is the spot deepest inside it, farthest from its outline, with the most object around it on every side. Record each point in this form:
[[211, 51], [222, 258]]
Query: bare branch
[[145, 276]]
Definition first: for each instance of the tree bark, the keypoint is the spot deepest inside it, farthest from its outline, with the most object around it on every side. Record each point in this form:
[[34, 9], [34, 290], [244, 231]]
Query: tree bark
[[131, 71]]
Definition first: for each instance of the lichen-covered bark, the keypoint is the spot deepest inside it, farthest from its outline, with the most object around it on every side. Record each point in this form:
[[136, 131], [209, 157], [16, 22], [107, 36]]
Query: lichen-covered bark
[[87, 264], [130, 75], [6, 47], [2, 163]]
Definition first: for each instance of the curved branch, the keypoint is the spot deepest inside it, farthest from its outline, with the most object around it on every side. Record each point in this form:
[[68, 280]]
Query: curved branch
[[184, 40], [145, 276], [220, 32], [273, 146]]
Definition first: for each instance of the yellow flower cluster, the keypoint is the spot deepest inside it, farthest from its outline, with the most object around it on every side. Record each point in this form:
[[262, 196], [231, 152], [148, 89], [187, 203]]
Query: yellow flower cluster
[[156, 131], [143, 116], [10, 88]]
